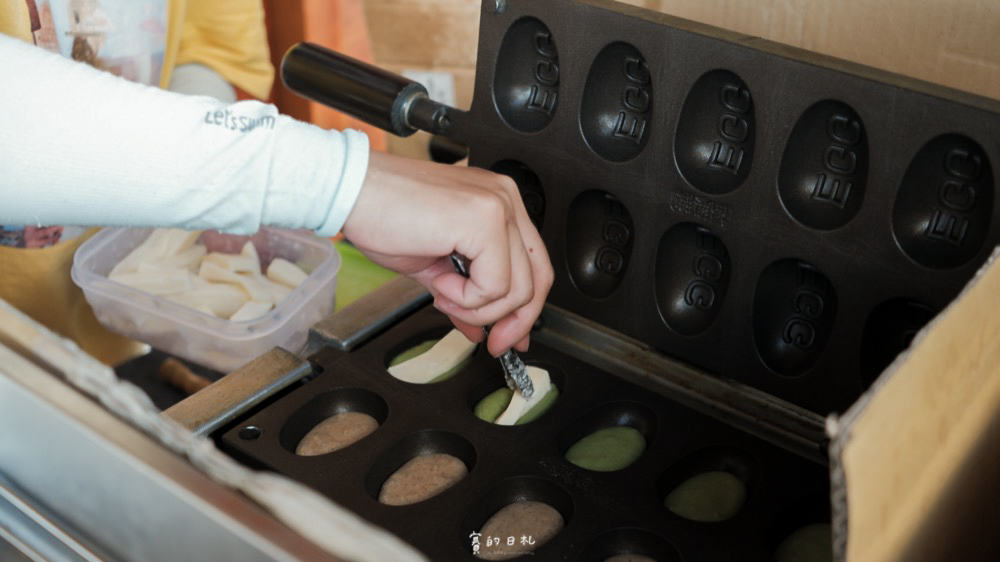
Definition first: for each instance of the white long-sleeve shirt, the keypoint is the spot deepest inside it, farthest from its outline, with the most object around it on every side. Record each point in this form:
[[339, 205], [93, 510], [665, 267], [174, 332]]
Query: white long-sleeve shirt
[[82, 147]]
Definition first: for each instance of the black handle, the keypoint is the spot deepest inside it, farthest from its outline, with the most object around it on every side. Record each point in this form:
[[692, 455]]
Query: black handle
[[355, 87], [374, 95]]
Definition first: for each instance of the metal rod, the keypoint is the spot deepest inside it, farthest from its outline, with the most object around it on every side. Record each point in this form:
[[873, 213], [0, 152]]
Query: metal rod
[[781, 423]]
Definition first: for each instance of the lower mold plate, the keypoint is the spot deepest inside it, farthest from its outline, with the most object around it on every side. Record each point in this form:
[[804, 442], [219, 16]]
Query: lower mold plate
[[623, 509]]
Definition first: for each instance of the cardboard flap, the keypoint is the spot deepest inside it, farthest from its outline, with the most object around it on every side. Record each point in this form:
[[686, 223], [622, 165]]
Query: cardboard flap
[[916, 461], [952, 43]]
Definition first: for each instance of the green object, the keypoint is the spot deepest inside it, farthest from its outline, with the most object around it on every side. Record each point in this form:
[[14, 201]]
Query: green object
[[811, 543], [708, 497], [358, 275], [414, 351], [608, 449], [489, 408], [540, 407]]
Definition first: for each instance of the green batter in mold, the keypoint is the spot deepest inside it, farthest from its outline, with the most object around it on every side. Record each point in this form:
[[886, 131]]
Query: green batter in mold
[[489, 408], [709, 497], [608, 449], [811, 543], [504, 406]]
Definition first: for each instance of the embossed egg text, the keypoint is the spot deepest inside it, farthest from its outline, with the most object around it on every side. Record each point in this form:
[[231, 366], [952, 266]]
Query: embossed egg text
[[944, 205], [714, 145], [794, 308], [617, 107], [824, 170], [526, 82], [692, 277], [599, 236]]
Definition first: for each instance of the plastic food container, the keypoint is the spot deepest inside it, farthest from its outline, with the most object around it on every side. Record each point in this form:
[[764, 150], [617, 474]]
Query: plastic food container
[[216, 343]]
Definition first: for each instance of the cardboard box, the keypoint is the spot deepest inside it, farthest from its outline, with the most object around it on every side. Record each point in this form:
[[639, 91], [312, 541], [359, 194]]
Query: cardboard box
[[916, 461], [951, 43], [435, 37]]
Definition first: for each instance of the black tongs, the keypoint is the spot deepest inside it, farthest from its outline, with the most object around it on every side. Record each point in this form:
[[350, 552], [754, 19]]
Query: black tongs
[[513, 368]]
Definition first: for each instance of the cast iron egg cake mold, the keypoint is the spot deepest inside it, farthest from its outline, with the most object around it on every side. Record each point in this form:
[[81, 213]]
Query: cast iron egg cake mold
[[767, 215], [605, 513], [771, 215]]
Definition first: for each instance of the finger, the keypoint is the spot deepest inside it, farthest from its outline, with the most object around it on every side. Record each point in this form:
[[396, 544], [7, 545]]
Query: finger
[[522, 346], [489, 266], [473, 333], [513, 330], [519, 290], [532, 278], [486, 253]]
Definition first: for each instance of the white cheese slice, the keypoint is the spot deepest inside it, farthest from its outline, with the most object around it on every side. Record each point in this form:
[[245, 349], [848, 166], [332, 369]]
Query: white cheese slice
[[250, 251], [221, 298], [443, 356], [161, 243], [251, 311], [236, 263], [176, 240], [156, 281], [277, 291], [213, 272], [285, 272], [519, 405], [188, 260], [171, 264], [205, 310]]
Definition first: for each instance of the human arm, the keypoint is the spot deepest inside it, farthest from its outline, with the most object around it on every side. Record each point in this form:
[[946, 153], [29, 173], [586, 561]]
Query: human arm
[[81, 147]]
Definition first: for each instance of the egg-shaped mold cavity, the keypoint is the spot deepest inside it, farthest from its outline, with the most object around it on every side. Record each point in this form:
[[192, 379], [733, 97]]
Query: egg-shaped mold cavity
[[714, 144], [794, 309], [692, 278], [490, 398], [610, 438], [533, 511], [599, 236], [333, 420], [944, 205], [824, 170], [710, 485], [616, 113], [528, 185], [526, 81], [630, 545], [420, 466], [888, 331], [802, 531], [431, 356]]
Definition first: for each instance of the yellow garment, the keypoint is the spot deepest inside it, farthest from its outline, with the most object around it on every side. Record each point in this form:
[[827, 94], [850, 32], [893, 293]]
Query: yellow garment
[[14, 19], [226, 35], [37, 282]]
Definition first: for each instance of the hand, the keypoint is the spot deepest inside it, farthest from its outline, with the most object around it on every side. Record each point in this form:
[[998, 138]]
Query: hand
[[412, 214]]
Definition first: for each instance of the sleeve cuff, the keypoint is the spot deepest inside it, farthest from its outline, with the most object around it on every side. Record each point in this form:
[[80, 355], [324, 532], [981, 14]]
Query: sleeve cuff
[[352, 178]]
